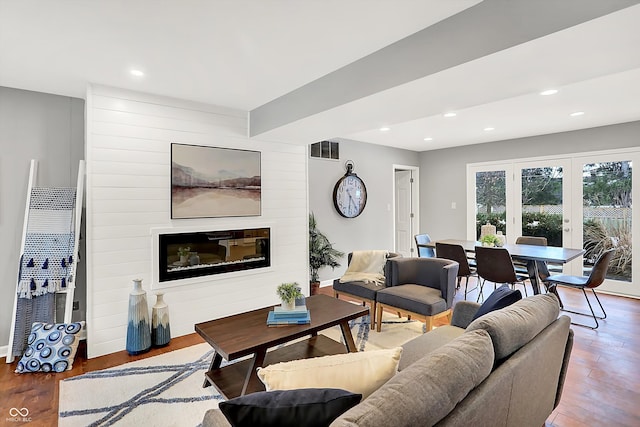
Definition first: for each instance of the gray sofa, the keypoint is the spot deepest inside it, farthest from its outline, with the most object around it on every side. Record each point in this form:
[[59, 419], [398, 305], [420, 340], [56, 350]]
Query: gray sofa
[[506, 368]]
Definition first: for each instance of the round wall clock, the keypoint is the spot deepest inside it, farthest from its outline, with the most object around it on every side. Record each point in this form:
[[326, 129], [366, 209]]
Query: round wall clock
[[350, 194]]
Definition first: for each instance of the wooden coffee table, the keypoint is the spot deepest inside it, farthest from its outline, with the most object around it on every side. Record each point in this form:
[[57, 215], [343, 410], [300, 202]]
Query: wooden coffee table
[[246, 334]]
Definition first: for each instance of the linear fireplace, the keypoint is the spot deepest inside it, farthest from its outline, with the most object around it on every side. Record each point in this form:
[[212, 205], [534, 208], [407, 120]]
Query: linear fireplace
[[203, 253]]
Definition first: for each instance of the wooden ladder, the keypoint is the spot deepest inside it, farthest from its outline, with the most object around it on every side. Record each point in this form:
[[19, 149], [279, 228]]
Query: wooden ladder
[[28, 223]]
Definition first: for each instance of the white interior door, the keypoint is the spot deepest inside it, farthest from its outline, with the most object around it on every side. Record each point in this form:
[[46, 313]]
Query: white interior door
[[404, 215]]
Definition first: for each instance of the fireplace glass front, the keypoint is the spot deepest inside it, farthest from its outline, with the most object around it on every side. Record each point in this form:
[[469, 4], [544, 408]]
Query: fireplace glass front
[[185, 255]]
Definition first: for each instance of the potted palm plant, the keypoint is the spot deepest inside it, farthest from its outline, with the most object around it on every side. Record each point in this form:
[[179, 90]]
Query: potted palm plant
[[321, 253]]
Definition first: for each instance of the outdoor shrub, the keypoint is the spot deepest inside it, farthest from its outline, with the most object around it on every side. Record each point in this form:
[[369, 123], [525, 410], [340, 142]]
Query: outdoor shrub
[[543, 225], [594, 240], [598, 238], [533, 224]]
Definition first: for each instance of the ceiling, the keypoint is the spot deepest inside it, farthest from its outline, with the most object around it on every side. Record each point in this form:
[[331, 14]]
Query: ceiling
[[324, 69]]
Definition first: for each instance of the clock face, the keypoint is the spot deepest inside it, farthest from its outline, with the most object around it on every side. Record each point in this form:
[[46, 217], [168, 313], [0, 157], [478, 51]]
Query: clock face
[[350, 196]]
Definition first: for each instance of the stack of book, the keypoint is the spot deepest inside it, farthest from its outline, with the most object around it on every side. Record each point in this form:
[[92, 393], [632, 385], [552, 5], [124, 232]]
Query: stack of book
[[281, 317]]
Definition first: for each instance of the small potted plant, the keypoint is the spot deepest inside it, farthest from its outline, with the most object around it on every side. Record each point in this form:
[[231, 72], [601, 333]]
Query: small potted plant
[[288, 292], [183, 253], [491, 240]]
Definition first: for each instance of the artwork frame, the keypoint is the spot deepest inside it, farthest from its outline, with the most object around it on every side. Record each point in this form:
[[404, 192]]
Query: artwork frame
[[215, 182]]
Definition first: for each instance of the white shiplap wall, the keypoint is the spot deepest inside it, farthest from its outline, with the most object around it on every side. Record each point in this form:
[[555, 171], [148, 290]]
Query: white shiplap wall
[[128, 193]]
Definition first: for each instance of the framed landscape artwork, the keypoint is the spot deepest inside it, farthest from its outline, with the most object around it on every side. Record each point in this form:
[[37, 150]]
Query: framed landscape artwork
[[210, 182]]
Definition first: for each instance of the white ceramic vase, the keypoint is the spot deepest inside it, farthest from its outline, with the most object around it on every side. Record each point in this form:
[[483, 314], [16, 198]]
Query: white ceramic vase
[[194, 258], [138, 331], [288, 305], [160, 328]]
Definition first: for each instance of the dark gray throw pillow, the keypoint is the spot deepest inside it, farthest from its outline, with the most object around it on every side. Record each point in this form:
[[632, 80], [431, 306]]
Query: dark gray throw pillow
[[310, 407], [500, 298]]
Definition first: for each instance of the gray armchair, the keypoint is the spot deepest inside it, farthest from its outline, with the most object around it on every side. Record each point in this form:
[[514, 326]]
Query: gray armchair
[[363, 291], [423, 288]]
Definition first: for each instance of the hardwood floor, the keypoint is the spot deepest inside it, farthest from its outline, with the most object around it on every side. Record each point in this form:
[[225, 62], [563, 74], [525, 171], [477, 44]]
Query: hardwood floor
[[39, 392], [603, 381], [602, 388]]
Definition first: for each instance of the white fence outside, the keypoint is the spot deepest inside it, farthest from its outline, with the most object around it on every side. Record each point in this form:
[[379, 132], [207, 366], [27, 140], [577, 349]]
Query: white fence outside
[[590, 212]]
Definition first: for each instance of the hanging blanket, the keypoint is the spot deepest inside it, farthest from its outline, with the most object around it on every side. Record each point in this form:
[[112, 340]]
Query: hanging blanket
[[45, 265], [366, 266], [48, 247]]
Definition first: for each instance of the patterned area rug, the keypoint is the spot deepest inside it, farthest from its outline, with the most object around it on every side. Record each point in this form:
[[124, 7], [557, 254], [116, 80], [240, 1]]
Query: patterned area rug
[[166, 390], [394, 332]]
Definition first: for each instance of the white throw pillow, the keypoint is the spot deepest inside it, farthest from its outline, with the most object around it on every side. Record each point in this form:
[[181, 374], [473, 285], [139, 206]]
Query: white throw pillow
[[361, 372]]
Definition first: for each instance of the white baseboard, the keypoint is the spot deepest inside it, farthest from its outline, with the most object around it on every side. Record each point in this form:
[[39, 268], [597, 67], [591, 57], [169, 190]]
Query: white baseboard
[[324, 283], [3, 350]]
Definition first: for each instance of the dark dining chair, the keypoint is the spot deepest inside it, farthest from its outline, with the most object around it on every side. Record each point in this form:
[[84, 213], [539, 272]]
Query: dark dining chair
[[457, 253], [527, 266], [495, 265], [593, 280], [423, 250]]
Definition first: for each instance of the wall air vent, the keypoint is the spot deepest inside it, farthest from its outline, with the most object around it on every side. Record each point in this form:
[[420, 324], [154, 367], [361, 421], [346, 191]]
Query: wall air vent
[[326, 150]]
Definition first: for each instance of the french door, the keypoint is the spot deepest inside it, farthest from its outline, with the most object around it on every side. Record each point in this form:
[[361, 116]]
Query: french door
[[542, 204], [581, 201], [604, 189]]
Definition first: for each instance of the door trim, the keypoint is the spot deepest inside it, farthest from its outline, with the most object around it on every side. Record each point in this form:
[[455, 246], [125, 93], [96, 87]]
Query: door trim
[[415, 201]]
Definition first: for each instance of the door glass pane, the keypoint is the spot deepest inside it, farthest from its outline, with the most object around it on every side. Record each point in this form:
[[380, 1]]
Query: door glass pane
[[491, 199], [607, 215], [542, 203]]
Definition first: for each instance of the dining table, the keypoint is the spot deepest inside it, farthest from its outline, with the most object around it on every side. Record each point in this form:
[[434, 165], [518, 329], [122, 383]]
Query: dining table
[[552, 254]]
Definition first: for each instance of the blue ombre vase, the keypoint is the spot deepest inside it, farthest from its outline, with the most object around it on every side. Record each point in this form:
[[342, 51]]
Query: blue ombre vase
[[138, 330], [160, 328]]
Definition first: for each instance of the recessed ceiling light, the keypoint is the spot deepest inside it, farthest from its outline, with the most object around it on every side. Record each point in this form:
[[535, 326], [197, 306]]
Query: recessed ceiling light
[[137, 73], [450, 114], [489, 129], [549, 92], [384, 129], [577, 113], [428, 138]]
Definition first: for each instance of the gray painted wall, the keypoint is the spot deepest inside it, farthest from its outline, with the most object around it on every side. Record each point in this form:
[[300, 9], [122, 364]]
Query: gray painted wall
[[48, 128], [443, 172], [373, 229]]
